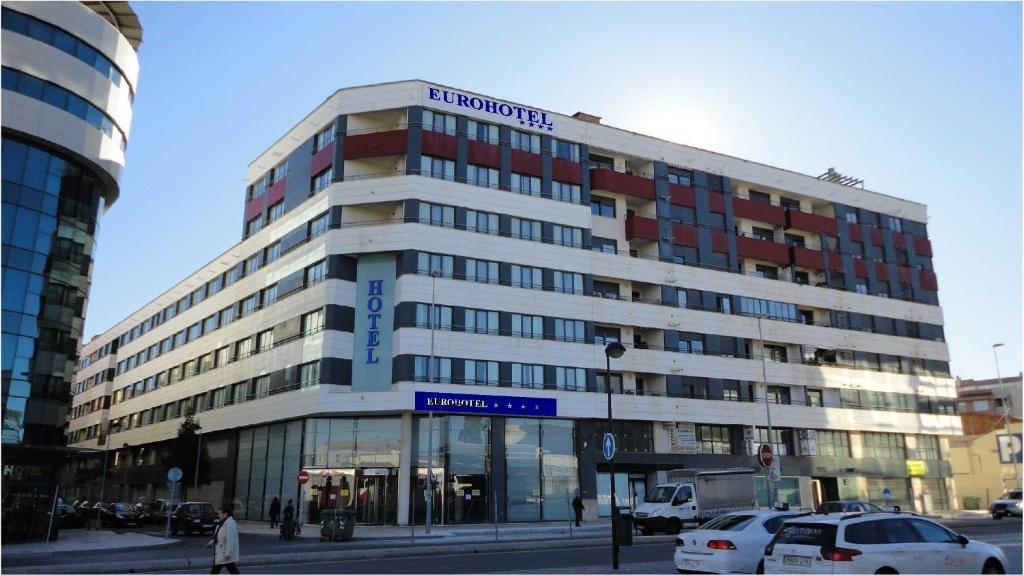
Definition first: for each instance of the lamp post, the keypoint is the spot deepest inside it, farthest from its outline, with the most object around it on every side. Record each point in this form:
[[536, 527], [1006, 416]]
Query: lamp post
[[434, 274], [103, 479], [616, 350], [199, 447], [1006, 415], [769, 484], [128, 462]]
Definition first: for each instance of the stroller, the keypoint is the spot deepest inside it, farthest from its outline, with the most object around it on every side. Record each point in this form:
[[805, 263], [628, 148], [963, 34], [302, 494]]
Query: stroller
[[288, 529]]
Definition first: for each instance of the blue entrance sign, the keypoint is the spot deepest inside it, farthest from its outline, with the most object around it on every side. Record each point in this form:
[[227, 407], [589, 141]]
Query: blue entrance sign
[[491, 404], [608, 446]]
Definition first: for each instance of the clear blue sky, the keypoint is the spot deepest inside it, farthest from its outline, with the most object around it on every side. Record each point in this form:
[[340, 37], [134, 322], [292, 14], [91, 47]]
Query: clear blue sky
[[922, 101]]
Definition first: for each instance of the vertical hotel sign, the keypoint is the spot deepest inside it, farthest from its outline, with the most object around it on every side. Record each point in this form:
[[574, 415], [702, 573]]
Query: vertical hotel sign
[[374, 322]]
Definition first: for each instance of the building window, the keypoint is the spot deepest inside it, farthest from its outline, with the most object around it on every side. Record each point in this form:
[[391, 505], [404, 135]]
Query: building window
[[779, 394], [691, 343], [437, 215], [604, 245], [815, 398], [600, 206], [927, 448], [781, 440], [481, 271], [565, 150], [526, 229], [243, 348], [238, 392], [280, 171], [441, 372], [438, 122], [795, 240], [482, 176], [571, 378], [313, 322], [681, 297], [778, 353], [481, 222], [253, 263], [526, 185], [861, 288], [309, 374], [481, 321], [269, 295], [209, 324], [604, 335], [601, 379], [227, 315], [764, 234], [481, 132], [318, 225], [567, 236], [265, 340], [262, 386], [851, 217], [714, 439], [275, 212], [316, 272], [883, 446], [895, 224], [568, 282], [526, 375], [682, 178], [222, 356], [442, 316], [430, 263], [248, 305], [273, 252], [769, 272], [321, 140], [527, 277], [480, 372], [565, 192], [767, 308], [322, 180], [789, 204], [437, 168], [570, 330], [606, 289], [833, 443], [525, 141], [531, 326]]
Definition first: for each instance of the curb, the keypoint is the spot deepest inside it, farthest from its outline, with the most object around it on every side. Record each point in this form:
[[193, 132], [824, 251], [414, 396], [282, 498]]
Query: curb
[[333, 555], [16, 555]]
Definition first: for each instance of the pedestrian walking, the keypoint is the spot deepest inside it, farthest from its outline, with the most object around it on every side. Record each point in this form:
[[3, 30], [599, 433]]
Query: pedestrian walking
[[225, 543], [275, 511], [289, 511], [577, 507]]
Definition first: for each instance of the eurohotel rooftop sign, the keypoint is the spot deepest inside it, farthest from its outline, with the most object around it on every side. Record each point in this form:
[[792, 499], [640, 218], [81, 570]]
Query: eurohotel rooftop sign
[[527, 117]]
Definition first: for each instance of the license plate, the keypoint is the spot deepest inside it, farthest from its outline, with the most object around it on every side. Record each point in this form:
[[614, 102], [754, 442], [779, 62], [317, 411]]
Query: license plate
[[692, 564], [796, 560]]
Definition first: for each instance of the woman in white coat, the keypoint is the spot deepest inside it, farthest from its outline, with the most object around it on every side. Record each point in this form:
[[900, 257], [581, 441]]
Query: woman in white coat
[[225, 543]]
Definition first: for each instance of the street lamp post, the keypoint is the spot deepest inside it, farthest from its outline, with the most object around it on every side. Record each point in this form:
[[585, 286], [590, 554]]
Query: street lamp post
[[434, 274], [199, 447], [616, 350], [769, 484], [1006, 415]]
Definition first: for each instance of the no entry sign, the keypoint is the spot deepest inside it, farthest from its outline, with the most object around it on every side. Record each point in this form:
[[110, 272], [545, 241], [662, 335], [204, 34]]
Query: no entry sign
[[303, 477]]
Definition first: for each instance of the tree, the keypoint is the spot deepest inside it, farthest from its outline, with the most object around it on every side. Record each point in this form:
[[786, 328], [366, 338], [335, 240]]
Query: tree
[[181, 453]]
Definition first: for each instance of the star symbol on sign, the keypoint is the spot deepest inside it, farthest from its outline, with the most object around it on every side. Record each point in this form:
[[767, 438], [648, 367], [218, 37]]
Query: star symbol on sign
[[495, 404], [523, 406], [550, 128], [522, 123], [531, 124], [510, 406], [536, 407]]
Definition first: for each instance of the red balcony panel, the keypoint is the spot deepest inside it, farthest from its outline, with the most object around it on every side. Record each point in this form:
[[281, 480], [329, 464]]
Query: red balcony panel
[[719, 241], [276, 192], [835, 262], [882, 271], [877, 237], [685, 235], [392, 143], [440, 145], [744, 208], [807, 258], [762, 250], [899, 241], [527, 163], [255, 207], [322, 159], [928, 280], [922, 247], [905, 276], [628, 184], [566, 171], [484, 154], [860, 268], [810, 222], [716, 202], [855, 233], [681, 195], [641, 227]]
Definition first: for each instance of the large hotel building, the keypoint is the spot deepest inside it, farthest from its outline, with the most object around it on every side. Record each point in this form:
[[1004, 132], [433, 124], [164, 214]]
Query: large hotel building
[[537, 238]]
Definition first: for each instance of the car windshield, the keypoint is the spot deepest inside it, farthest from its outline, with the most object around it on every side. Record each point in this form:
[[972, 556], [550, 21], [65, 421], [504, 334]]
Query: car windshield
[[200, 508], [1016, 494], [728, 523], [121, 507], [661, 494], [807, 534]]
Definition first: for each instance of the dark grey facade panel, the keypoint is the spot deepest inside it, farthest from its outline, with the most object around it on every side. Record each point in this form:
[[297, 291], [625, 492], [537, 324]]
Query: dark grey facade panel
[[297, 183], [340, 128]]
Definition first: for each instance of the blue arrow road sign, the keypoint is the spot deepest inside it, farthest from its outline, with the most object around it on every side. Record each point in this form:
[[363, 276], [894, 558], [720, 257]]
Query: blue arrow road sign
[[608, 446]]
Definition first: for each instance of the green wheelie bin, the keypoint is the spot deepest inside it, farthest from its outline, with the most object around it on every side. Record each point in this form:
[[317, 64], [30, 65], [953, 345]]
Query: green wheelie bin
[[337, 524]]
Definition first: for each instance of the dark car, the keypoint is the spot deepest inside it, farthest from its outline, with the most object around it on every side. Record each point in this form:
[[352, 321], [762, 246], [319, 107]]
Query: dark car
[[193, 517], [119, 515], [68, 517], [145, 517], [849, 507], [1009, 505]]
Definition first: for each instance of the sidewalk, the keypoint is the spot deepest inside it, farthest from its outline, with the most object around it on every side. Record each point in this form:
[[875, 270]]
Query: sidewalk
[[473, 532], [86, 540]]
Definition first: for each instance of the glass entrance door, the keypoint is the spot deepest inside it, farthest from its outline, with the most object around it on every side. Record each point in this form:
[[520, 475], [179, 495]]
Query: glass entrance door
[[376, 497]]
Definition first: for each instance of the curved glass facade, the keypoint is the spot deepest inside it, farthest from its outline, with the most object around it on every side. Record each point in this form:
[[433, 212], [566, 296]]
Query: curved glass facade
[[50, 209]]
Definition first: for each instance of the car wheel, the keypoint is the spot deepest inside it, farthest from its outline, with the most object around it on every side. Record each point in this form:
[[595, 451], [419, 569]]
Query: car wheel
[[674, 526], [996, 516], [992, 566], [886, 571]]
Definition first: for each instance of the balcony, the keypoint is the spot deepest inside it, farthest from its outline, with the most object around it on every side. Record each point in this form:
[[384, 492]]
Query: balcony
[[860, 268], [922, 247], [807, 258], [681, 195], [440, 145], [389, 143], [762, 250], [627, 184], [928, 280], [743, 208], [322, 159], [685, 235], [527, 163], [484, 154], [811, 222], [641, 227], [877, 237], [566, 171]]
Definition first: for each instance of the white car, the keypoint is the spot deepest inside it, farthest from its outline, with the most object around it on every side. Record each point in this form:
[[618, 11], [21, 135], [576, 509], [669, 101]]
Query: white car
[[876, 543], [732, 543]]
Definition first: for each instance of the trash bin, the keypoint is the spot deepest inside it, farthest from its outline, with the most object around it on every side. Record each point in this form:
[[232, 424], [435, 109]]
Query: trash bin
[[972, 503], [337, 524], [624, 526]]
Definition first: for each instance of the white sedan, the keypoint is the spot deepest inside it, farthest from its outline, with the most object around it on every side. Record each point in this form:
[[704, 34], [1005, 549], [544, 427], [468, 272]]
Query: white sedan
[[731, 543]]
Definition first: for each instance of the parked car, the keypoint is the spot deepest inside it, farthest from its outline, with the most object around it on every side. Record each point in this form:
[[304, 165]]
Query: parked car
[[193, 517], [145, 517], [876, 543], [1009, 505], [68, 517], [118, 515], [849, 507], [159, 509], [731, 543]]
